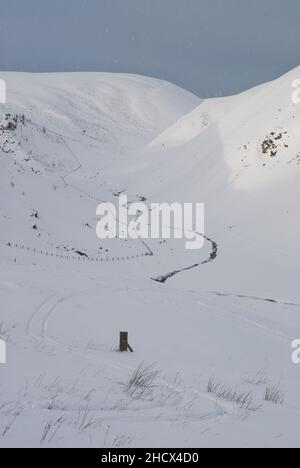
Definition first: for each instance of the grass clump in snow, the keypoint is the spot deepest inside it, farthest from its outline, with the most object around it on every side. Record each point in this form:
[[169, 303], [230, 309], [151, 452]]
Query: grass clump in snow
[[141, 383], [274, 395], [243, 399]]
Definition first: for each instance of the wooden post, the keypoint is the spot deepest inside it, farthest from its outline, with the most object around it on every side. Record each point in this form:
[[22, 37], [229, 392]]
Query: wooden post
[[124, 345], [123, 341]]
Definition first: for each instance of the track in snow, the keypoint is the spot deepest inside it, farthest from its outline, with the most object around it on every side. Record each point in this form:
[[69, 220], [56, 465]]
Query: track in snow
[[255, 298]]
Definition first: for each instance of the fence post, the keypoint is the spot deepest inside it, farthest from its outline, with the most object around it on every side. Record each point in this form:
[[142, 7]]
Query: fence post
[[123, 341], [124, 346]]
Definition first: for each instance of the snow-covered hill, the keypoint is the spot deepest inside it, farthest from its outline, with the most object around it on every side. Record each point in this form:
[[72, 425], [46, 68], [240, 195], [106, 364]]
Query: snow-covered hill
[[69, 141], [241, 156]]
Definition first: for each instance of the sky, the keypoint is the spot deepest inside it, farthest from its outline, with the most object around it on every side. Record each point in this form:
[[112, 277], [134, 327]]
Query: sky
[[210, 47]]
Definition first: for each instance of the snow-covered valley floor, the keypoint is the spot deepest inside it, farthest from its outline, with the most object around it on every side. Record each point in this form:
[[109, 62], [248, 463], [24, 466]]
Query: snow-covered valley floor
[[214, 340]]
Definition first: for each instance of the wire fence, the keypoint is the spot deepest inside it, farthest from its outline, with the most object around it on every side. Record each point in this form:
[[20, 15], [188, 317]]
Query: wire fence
[[70, 257]]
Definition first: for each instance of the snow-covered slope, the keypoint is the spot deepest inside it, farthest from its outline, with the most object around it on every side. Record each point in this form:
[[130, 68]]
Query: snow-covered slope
[[60, 134], [253, 141], [241, 156], [69, 141]]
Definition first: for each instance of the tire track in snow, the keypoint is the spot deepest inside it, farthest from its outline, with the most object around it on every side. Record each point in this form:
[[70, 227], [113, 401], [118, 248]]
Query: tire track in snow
[[30, 325], [37, 326]]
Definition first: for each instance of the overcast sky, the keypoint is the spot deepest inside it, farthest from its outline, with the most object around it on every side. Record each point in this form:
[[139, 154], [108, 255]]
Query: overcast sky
[[211, 47]]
